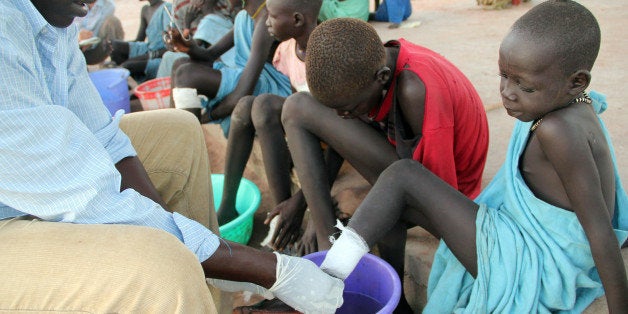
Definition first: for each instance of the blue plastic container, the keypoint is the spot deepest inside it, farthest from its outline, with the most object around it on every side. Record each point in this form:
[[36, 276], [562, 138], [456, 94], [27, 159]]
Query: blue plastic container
[[113, 88], [248, 200], [372, 287]]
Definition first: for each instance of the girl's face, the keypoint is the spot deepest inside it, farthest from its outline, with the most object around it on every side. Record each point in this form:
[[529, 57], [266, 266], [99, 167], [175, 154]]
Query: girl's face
[[280, 21], [532, 82], [61, 13]]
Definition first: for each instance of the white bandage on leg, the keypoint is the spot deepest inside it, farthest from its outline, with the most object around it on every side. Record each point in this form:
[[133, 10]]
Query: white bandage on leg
[[345, 253], [185, 98]]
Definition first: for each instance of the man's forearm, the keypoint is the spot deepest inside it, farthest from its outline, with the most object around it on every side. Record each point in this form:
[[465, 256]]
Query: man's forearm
[[134, 176]]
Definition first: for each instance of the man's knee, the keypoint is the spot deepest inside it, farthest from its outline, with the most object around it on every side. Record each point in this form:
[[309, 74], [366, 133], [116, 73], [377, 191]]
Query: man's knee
[[294, 108]]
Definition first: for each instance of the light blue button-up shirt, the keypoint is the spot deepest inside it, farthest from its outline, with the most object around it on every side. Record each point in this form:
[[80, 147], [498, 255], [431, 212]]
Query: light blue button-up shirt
[[58, 142]]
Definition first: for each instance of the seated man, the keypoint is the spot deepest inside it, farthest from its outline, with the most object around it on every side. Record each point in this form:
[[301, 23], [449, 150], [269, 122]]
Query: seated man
[[82, 226]]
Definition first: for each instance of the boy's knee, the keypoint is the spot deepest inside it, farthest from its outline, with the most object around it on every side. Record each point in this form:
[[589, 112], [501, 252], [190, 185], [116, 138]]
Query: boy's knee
[[294, 107], [401, 168], [241, 114], [265, 111], [181, 77]]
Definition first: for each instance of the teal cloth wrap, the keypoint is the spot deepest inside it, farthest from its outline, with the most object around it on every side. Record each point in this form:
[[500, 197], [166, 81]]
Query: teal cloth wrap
[[533, 257]]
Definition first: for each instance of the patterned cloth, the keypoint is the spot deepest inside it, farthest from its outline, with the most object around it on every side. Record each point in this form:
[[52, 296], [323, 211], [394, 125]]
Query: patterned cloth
[[58, 142]]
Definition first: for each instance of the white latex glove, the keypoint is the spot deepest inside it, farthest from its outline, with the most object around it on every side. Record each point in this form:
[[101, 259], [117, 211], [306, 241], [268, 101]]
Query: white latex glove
[[302, 285], [237, 286]]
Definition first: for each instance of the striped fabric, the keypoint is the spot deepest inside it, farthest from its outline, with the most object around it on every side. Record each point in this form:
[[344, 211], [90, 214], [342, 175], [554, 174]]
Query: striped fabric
[[59, 144]]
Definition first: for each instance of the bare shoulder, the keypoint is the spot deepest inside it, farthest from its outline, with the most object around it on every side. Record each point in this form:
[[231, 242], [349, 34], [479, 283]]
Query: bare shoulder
[[574, 128]]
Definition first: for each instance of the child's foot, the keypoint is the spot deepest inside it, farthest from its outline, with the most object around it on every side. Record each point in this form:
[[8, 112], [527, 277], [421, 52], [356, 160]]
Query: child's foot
[[394, 25]]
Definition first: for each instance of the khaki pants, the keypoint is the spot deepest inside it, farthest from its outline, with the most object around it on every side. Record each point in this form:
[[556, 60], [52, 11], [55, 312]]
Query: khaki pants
[[59, 267]]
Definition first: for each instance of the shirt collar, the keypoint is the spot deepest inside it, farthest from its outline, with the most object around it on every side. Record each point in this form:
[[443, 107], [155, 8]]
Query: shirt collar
[[37, 21]]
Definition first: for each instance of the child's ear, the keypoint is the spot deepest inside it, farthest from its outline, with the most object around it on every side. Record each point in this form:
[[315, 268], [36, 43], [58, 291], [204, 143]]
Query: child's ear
[[383, 74], [579, 81], [299, 19]]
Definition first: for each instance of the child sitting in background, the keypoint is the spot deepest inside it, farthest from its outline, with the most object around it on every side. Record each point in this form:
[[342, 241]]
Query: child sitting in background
[[331, 9], [142, 56], [207, 21], [540, 238], [290, 22], [223, 85], [393, 11]]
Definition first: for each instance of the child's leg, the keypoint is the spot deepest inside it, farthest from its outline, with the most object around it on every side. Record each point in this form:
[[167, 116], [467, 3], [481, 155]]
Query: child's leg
[[408, 192], [239, 146], [307, 122], [266, 115], [204, 78]]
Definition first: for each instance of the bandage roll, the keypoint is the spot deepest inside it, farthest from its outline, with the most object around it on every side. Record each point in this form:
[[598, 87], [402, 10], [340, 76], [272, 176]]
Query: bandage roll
[[185, 98], [345, 253]]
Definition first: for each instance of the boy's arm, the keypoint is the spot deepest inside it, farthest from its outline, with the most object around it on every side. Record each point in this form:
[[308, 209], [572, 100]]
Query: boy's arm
[[260, 48], [569, 152], [216, 50], [141, 32]]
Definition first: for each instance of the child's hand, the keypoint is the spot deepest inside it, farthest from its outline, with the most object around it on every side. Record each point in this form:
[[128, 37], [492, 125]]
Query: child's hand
[[288, 228], [173, 38], [308, 243]]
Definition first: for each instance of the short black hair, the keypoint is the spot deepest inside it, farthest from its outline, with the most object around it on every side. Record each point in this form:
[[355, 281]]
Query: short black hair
[[569, 28], [305, 6], [343, 56]]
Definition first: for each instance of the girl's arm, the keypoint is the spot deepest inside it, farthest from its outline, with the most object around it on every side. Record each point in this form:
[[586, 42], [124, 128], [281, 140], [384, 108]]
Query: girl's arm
[[141, 32]]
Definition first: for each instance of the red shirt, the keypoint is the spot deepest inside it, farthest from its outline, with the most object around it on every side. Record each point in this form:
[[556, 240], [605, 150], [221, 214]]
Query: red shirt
[[454, 142]]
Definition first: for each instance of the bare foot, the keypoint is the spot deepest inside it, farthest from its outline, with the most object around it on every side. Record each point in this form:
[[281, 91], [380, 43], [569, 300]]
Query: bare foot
[[226, 215], [394, 25]]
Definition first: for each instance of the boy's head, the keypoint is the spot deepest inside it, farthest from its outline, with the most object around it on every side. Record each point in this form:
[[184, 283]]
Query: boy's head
[[286, 18], [344, 58], [546, 58], [567, 29]]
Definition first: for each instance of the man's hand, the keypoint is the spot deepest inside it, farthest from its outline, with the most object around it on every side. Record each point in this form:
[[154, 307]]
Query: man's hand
[[305, 287]]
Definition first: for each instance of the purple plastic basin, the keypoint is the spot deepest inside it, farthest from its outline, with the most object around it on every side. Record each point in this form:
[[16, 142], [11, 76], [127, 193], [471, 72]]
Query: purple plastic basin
[[373, 279]]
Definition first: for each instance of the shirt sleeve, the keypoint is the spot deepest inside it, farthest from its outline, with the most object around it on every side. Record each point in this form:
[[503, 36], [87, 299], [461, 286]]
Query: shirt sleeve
[[84, 101], [53, 166]]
